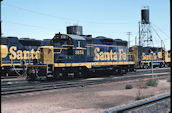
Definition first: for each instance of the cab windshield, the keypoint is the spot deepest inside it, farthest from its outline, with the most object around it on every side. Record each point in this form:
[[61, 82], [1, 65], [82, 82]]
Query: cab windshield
[[60, 39]]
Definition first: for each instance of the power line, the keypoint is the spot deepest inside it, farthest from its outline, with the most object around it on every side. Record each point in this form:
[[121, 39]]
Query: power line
[[25, 25], [61, 18], [39, 13], [161, 30], [136, 36], [157, 35], [47, 29]]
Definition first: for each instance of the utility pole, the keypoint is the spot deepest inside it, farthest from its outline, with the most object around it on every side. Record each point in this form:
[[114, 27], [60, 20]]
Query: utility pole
[[0, 30], [139, 35], [128, 33], [0, 20], [135, 40], [162, 44], [152, 62]]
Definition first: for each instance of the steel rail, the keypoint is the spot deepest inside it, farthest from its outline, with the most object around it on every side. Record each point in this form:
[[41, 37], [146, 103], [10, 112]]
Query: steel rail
[[24, 82], [11, 82], [65, 84], [139, 104], [138, 70]]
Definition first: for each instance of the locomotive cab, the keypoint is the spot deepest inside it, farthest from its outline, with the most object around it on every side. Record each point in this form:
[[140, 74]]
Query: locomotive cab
[[43, 67], [46, 55]]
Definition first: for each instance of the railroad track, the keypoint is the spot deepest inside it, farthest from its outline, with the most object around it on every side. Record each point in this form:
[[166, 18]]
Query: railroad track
[[145, 105], [154, 69], [7, 89], [138, 70], [8, 77]]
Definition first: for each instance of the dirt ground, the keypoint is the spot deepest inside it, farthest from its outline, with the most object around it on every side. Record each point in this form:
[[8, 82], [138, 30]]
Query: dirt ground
[[87, 99]]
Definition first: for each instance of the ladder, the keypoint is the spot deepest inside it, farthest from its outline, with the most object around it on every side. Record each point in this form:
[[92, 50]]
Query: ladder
[[50, 70]]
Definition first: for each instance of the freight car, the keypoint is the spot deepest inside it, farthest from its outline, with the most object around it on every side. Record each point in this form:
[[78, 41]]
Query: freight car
[[76, 55], [144, 56], [17, 53]]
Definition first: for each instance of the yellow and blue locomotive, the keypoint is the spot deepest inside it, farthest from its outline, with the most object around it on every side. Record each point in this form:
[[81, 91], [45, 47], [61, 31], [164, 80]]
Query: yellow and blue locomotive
[[74, 54], [144, 57], [17, 53]]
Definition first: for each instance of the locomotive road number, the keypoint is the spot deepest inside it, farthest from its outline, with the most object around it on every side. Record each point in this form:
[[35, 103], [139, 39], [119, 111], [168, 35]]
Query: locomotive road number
[[78, 52]]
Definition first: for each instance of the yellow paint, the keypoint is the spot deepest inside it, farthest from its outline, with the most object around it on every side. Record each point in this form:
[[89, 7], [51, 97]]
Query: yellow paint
[[146, 57], [60, 48], [88, 46], [78, 52], [160, 54], [16, 64], [58, 52], [19, 54], [167, 56], [91, 45], [26, 55], [134, 53], [4, 51], [47, 54], [90, 64], [80, 48], [122, 55], [149, 56], [19, 64], [102, 56], [87, 64], [67, 45], [13, 53], [154, 56], [153, 61]]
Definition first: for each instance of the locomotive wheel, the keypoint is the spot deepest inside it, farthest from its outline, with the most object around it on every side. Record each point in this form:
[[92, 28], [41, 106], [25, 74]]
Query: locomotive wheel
[[131, 69], [56, 75], [166, 66], [82, 72], [134, 69], [65, 75], [160, 66], [31, 74], [119, 72], [60, 76], [124, 71], [76, 72], [146, 66]]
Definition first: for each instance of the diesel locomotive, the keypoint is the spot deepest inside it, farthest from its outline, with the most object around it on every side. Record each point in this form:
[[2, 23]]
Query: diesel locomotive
[[17, 53], [75, 54], [144, 56]]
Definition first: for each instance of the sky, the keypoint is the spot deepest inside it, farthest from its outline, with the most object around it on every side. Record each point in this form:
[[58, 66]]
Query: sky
[[41, 19]]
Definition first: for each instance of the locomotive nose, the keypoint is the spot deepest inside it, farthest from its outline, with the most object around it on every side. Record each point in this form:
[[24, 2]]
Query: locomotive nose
[[4, 51]]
